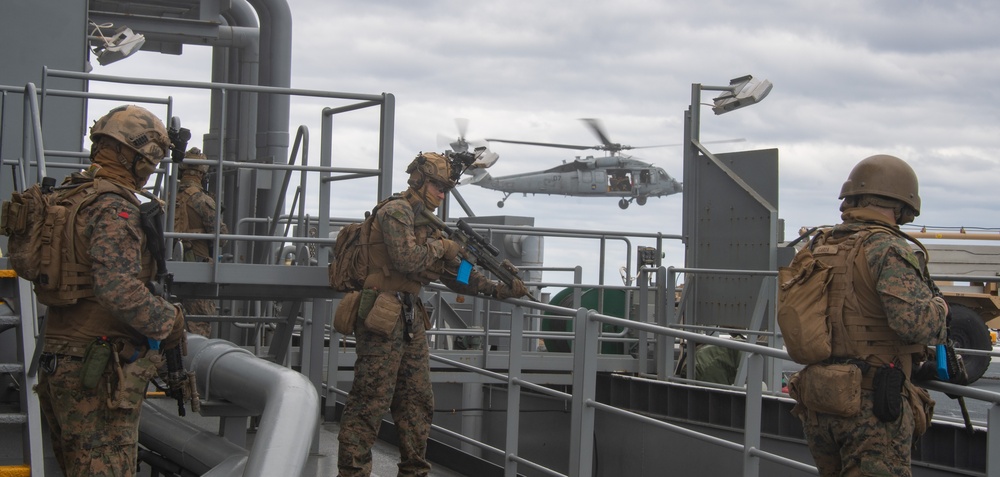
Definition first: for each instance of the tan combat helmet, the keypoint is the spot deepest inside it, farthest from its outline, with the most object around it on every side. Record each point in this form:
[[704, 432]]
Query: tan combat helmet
[[194, 153], [430, 166], [884, 175], [135, 127]]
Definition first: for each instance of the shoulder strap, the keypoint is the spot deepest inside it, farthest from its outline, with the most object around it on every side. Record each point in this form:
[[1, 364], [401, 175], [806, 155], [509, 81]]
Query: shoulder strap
[[366, 228]]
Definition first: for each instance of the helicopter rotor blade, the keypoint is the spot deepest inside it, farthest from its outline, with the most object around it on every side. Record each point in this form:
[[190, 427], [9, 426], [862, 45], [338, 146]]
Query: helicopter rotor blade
[[463, 126], [722, 141], [545, 144], [443, 140], [598, 129]]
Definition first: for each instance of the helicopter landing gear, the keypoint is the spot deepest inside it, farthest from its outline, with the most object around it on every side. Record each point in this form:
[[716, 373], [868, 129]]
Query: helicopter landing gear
[[623, 204], [500, 202], [641, 200]]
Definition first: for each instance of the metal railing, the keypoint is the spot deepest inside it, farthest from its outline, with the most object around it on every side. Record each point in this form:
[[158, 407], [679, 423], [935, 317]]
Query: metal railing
[[585, 367], [585, 361]]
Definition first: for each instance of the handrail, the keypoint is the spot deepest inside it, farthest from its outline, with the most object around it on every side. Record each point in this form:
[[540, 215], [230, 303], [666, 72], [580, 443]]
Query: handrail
[[587, 334], [32, 127]]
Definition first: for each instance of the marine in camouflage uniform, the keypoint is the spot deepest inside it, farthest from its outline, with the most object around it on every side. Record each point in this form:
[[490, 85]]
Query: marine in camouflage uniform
[[881, 192], [198, 217], [392, 373], [90, 437]]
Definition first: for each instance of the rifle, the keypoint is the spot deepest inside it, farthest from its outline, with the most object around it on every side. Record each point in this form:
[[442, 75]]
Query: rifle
[[945, 356], [180, 384], [478, 250]]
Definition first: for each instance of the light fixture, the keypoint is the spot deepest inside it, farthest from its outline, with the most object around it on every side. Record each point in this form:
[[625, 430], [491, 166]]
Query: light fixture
[[122, 44], [742, 92]]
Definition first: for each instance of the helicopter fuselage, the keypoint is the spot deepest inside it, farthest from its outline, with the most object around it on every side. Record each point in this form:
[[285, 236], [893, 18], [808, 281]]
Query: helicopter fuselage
[[612, 176]]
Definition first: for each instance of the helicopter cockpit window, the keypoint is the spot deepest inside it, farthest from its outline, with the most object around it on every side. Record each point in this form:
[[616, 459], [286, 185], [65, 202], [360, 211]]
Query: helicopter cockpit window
[[644, 177]]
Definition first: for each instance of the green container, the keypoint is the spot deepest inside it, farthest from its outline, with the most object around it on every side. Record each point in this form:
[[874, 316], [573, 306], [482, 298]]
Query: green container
[[614, 305]]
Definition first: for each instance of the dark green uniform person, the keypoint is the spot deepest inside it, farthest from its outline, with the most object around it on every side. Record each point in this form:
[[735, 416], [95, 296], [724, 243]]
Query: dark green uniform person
[[392, 371], [95, 426], [889, 314]]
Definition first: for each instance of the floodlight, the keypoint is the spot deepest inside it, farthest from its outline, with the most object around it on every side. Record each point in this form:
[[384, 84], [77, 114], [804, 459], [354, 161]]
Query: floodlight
[[121, 45], [742, 92]]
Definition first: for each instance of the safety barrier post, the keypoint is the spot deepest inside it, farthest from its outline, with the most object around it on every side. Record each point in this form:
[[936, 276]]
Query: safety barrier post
[[581, 448], [992, 441], [514, 390], [751, 425]]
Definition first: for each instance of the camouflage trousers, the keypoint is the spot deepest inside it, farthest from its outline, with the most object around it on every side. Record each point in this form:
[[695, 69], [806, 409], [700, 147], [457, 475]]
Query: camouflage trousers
[[391, 374], [860, 445], [88, 438], [199, 307]]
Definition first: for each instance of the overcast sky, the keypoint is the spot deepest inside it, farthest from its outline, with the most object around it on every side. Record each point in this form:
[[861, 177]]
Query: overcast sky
[[916, 79]]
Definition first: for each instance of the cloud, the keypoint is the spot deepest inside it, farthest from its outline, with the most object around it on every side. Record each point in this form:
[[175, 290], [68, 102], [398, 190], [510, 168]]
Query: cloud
[[851, 79]]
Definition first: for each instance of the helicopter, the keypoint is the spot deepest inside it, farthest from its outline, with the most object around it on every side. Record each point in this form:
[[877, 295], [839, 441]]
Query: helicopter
[[614, 175]]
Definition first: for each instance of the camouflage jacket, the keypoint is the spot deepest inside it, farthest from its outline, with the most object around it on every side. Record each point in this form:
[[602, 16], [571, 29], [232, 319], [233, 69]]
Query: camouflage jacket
[[413, 251], [901, 281], [109, 231], [200, 215]]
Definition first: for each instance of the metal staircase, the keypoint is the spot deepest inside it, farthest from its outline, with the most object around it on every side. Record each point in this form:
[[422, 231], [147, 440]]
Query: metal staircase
[[21, 321]]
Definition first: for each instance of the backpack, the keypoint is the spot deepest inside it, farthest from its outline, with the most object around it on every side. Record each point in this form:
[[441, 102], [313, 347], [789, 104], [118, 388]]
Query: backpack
[[803, 299], [808, 307], [348, 268], [40, 245]]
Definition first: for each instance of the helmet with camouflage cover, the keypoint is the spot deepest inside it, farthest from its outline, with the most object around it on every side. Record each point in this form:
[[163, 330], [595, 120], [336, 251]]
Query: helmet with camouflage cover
[[430, 166], [135, 127], [886, 176], [187, 167]]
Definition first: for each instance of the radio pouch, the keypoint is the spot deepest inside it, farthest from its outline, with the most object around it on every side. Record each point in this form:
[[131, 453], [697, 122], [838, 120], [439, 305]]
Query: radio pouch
[[366, 301], [95, 362], [888, 393]]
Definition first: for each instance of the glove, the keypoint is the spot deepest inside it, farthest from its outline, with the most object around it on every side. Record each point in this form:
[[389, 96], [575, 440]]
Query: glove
[[178, 335], [504, 292], [956, 366], [451, 249]]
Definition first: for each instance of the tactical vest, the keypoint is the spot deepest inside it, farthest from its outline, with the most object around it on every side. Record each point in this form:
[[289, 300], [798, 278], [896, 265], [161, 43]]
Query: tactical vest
[[77, 324], [381, 275], [859, 326], [59, 248], [182, 219]]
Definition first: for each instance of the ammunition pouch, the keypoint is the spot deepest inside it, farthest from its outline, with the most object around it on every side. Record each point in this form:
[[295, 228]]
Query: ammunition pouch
[[347, 313], [923, 408], [384, 314], [828, 388]]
